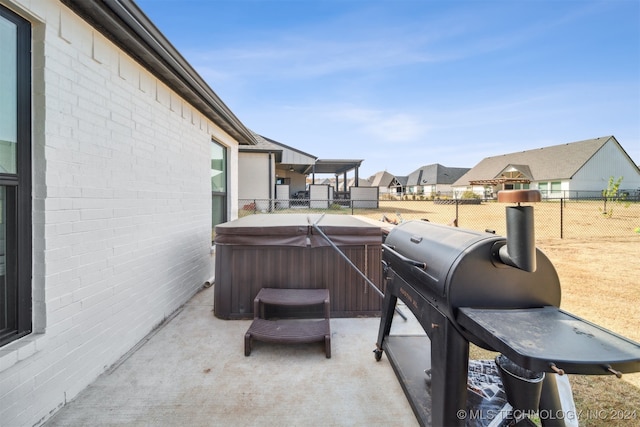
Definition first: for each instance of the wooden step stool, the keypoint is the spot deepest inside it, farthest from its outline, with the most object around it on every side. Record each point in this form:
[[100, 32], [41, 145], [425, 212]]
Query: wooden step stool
[[289, 330]]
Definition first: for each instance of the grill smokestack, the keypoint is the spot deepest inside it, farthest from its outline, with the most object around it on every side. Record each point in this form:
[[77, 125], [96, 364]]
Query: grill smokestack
[[520, 250]]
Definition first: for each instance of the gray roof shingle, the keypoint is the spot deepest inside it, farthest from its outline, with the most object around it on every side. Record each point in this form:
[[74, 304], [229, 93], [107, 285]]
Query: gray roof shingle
[[435, 174], [554, 162]]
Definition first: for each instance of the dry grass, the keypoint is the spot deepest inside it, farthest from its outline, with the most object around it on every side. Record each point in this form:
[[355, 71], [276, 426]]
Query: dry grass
[[579, 218], [600, 283]]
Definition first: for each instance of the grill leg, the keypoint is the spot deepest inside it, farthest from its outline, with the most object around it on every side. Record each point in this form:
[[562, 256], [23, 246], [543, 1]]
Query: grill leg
[[449, 366], [247, 344], [388, 308]]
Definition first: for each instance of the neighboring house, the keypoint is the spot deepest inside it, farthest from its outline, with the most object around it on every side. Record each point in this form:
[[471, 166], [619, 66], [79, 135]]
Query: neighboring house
[[361, 183], [433, 180], [290, 170], [116, 159], [255, 163], [351, 182], [331, 182], [577, 169], [402, 183], [272, 170], [387, 183]]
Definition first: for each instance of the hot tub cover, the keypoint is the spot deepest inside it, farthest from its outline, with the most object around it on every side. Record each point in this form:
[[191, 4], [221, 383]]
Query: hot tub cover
[[296, 230]]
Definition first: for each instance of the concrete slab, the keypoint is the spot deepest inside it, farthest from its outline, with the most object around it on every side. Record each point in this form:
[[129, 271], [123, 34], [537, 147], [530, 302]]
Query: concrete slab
[[192, 371]]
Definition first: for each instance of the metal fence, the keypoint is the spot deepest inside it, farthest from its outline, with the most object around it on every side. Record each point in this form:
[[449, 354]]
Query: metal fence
[[631, 195], [566, 218]]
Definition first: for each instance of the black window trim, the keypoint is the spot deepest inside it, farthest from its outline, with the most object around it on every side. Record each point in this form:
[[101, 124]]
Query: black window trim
[[19, 187]]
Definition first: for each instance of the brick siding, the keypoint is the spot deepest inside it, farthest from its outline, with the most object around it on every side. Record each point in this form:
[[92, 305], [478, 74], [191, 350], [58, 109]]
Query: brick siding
[[122, 212]]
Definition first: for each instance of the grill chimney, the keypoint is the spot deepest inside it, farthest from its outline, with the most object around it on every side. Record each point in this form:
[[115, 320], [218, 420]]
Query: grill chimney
[[520, 250]]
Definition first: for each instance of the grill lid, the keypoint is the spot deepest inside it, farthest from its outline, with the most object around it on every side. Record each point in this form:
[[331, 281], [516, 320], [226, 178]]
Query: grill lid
[[438, 246]]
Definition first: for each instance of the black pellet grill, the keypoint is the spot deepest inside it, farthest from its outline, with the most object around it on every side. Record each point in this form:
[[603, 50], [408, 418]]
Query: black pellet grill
[[501, 294]]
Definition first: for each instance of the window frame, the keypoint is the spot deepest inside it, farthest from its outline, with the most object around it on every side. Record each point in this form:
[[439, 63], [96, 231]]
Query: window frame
[[220, 196], [543, 187], [18, 203]]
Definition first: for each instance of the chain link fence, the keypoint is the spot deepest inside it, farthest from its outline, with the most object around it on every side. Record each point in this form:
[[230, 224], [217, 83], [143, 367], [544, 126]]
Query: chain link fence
[[564, 218]]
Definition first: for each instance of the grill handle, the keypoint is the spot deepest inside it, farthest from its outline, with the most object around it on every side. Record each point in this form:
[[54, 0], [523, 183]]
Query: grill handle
[[404, 259]]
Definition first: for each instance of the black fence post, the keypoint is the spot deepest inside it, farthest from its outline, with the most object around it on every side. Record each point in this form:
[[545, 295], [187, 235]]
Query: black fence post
[[561, 218]]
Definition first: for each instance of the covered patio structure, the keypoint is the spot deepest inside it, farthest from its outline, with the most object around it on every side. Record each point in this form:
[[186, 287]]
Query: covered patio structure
[[336, 167]]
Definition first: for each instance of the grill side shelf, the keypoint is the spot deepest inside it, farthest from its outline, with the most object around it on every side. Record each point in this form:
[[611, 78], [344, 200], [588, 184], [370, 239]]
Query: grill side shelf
[[542, 338]]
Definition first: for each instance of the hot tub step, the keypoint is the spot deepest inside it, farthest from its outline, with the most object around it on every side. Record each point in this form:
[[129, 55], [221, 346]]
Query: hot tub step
[[290, 330]]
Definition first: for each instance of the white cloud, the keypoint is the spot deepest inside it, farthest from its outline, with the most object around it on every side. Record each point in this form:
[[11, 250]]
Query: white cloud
[[383, 126], [370, 38]]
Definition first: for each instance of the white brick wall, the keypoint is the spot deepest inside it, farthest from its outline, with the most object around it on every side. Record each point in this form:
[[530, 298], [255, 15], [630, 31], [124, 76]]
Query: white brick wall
[[122, 208]]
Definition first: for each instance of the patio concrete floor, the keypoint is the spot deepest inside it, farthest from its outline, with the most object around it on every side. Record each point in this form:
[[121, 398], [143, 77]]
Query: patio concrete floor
[[192, 372]]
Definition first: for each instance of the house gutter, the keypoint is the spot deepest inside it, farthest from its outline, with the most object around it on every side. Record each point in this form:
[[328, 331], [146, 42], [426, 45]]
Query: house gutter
[[124, 23]]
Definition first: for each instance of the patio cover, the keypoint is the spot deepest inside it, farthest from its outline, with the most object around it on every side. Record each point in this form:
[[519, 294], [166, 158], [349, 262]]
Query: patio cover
[[336, 167]]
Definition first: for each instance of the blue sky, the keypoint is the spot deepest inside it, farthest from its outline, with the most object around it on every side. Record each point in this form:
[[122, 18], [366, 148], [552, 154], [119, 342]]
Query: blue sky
[[407, 83]]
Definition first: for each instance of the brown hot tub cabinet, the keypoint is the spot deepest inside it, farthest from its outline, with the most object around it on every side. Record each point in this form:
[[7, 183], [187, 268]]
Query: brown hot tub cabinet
[[285, 251]]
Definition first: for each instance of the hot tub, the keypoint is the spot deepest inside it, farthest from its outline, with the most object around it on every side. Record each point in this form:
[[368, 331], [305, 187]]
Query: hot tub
[[284, 251]]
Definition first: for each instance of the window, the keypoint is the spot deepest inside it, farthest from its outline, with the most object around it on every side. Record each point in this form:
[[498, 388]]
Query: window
[[15, 177], [556, 187], [544, 188], [218, 185]]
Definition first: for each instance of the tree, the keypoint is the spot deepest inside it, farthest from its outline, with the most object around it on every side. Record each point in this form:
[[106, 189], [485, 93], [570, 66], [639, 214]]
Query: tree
[[612, 195]]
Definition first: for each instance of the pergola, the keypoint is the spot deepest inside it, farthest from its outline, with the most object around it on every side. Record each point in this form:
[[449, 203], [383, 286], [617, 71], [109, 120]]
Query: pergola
[[500, 181]]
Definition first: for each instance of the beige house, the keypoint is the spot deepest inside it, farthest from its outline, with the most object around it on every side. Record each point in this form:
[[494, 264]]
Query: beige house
[[433, 180], [577, 169], [270, 171], [387, 183], [273, 172]]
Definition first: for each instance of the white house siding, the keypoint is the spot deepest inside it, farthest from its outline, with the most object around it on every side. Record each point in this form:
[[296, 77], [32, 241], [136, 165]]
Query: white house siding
[[122, 211], [608, 161], [550, 191], [476, 189], [256, 168]]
